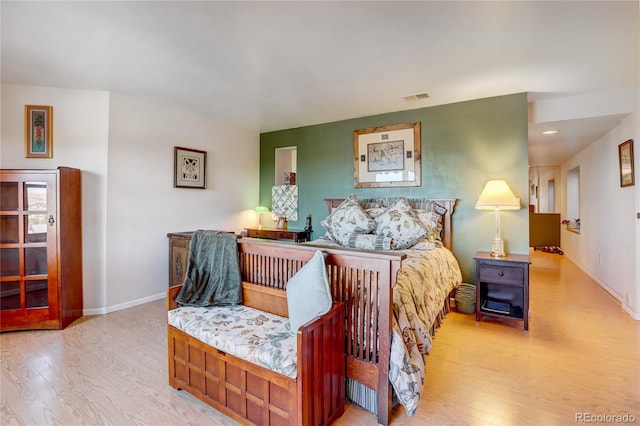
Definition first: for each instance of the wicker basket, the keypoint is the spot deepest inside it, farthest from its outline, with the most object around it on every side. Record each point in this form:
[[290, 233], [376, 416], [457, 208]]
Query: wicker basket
[[466, 298]]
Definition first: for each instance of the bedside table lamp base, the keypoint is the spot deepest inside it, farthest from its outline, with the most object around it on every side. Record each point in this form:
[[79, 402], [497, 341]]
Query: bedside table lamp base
[[497, 247]]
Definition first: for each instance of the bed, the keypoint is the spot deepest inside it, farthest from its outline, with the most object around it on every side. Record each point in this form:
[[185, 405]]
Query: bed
[[417, 301], [368, 282]]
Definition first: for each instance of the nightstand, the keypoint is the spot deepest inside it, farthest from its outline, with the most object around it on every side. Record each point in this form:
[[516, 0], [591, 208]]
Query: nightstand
[[296, 236], [502, 287]]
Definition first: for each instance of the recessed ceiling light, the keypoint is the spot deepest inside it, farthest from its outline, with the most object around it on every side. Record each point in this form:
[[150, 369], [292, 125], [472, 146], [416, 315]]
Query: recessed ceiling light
[[549, 132]]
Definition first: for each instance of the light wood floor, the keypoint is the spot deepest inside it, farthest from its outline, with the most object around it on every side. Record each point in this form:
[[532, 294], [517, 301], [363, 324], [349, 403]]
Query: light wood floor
[[580, 355]]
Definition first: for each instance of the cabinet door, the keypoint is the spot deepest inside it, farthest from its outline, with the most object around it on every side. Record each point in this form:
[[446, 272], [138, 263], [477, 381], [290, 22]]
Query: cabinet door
[[28, 257]]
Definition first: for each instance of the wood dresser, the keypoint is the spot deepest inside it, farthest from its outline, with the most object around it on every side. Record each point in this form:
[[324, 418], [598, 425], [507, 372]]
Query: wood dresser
[[178, 255]]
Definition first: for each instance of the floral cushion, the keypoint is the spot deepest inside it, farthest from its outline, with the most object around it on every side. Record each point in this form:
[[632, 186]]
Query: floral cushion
[[433, 222], [375, 211], [253, 335], [346, 219], [400, 223], [369, 242]]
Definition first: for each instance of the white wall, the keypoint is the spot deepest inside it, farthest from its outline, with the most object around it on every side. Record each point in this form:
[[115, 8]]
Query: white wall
[[606, 247], [143, 206], [124, 147], [80, 139]]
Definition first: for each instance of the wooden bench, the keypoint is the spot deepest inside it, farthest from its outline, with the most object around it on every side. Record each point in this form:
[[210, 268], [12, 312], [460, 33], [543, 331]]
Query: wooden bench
[[252, 394]]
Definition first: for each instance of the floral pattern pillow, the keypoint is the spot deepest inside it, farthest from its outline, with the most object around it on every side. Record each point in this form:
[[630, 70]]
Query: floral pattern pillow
[[433, 222], [375, 211], [400, 223], [346, 219], [369, 242]]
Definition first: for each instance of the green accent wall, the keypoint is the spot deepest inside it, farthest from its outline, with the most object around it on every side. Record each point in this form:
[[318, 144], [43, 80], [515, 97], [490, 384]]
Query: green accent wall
[[463, 145]]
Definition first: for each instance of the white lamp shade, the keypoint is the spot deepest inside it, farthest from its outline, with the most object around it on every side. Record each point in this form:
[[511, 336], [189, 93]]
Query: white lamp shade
[[497, 195], [261, 209]]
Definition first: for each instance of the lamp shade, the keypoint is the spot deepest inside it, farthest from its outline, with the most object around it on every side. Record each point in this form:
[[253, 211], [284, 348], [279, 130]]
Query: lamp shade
[[261, 209], [497, 195]]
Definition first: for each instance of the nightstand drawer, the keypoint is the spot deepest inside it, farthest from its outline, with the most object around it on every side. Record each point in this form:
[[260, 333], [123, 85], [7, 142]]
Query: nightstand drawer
[[253, 233], [501, 274]]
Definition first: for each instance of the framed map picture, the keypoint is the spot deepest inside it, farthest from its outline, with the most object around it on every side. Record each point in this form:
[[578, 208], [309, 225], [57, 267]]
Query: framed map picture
[[387, 156]]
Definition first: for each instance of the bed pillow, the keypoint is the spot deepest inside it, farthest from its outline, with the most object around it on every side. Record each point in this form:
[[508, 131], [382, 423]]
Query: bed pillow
[[375, 211], [401, 225], [308, 293], [346, 219], [369, 242], [431, 220]]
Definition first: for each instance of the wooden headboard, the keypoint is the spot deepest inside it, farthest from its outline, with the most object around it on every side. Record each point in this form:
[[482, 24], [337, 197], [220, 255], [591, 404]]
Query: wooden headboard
[[417, 203]]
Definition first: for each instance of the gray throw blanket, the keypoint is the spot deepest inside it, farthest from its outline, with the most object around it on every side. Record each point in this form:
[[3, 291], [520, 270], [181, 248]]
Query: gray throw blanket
[[213, 275]]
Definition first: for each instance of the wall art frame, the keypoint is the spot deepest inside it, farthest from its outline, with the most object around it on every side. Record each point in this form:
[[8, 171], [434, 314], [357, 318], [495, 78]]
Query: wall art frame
[[189, 168], [38, 131], [281, 225], [625, 157], [387, 156]]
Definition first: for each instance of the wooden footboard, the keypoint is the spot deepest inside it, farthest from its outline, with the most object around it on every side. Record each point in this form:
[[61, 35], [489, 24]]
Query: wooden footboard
[[363, 280], [249, 393]]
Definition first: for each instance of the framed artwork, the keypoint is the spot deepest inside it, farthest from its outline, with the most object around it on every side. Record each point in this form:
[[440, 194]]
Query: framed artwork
[[625, 155], [282, 223], [189, 168], [38, 131], [387, 156]]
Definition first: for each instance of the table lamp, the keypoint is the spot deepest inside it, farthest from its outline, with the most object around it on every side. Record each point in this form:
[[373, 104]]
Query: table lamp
[[260, 210], [497, 196]]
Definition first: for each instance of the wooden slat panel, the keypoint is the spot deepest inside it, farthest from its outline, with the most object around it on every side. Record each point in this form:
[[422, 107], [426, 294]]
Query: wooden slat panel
[[362, 279]]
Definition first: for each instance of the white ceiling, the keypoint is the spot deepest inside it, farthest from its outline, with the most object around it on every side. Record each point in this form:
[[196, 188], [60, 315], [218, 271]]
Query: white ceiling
[[278, 65]]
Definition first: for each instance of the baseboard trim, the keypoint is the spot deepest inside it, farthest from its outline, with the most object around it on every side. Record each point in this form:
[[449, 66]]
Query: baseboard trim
[[609, 290], [129, 304]]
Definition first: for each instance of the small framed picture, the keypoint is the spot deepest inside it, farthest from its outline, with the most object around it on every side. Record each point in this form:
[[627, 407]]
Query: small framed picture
[[189, 168], [282, 223], [625, 155], [38, 131]]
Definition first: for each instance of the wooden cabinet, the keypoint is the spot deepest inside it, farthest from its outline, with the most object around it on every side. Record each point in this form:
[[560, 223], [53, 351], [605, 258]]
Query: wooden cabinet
[[277, 234], [178, 254], [40, 248], [502, 287]]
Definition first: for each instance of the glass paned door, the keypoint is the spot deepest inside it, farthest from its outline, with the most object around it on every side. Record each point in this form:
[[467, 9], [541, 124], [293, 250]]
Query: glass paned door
[[28, 266]]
